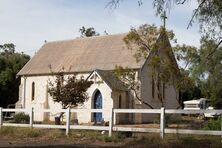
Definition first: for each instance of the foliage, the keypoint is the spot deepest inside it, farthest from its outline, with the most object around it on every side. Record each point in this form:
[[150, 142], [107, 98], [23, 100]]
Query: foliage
[[88, 32], [207, 73], [70, 91], [202, 66], [144, 38], [149, 41], [10, 64], [128, 76], [204, 63], [208, 13], [213, 124], [187, 56], [204, 71], [21, 118]]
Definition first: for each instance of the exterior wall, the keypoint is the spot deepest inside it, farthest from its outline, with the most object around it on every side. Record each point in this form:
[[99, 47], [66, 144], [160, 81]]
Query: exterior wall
[[110, 99], [135, 103], [125, 103], [43, 100], [171, 95], [107, 102]]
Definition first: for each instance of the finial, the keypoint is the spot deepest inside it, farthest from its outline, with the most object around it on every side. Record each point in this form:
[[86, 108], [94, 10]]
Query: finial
[[164, 17]]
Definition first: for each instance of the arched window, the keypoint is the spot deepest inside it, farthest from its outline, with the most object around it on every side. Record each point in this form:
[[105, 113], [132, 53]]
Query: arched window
[[120, 101], [97, 104], [33, 91]]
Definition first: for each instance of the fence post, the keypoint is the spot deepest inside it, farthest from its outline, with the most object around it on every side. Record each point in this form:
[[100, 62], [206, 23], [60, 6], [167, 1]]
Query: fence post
[[1, 117], [31, 115], [114, 118], [111, 122], [221, 125], [162, 122], [67, 121]]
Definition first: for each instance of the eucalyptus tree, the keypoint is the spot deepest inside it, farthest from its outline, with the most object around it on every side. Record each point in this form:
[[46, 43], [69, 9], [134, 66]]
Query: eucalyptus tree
[[10, 64]]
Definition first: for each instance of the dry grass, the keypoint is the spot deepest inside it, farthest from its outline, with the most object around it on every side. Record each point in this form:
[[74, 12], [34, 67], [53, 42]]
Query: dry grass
[[19, 135]]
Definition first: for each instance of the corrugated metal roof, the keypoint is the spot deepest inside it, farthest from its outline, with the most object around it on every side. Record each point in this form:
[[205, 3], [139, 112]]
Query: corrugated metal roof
[[82, 55]]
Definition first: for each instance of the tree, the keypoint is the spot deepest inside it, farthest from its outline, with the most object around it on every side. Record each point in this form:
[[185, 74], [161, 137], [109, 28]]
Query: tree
[[208, 72], [128, 77], [10, 64], [88, 32], [200, 63], [205, 73], [208, 13], [148, 40], [70, 92], [187, 57]]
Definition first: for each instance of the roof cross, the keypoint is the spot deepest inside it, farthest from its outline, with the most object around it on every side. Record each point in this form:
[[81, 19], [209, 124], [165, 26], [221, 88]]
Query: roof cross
[[164, 17]]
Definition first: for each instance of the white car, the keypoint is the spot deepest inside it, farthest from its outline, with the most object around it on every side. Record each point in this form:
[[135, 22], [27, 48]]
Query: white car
[[210, 115], [201, 104]]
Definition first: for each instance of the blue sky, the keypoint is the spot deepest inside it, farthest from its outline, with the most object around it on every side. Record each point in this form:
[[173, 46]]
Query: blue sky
[[28, 23]]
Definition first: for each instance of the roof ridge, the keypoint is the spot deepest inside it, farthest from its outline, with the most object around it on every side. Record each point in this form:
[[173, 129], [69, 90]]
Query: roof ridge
[[86, 38]]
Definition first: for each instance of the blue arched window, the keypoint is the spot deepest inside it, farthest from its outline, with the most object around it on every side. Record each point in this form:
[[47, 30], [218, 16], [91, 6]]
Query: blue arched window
[[97, 104]]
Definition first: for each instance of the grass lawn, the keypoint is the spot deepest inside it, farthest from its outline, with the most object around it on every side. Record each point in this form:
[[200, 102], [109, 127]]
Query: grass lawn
[[14, 136]]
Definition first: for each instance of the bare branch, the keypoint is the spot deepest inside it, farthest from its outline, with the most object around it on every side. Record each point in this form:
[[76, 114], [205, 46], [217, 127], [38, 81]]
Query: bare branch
[[215, 49], [138, 98], [181, 2], [113, 4], [195, 13]]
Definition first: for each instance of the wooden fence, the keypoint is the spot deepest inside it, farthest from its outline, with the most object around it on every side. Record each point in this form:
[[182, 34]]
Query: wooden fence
[[113, 112]]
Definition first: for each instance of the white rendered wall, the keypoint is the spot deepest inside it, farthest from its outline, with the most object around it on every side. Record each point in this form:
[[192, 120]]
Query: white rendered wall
[[170, 101], [44, 100]]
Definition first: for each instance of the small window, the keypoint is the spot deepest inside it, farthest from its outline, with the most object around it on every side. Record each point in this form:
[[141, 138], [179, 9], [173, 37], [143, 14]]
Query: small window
[[160, 87], [153, 87], [33, 91], [163, 90], [120, 101]]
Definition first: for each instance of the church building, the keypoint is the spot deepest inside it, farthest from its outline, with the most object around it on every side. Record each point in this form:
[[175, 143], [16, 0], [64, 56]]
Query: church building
[[93, 58]]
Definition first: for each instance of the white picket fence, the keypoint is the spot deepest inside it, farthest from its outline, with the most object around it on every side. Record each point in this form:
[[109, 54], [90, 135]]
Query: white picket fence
[[113, 112]]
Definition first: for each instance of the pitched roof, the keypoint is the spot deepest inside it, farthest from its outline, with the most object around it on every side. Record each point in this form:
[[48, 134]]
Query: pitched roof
[[164, 46], [81, 55], [112, 80]]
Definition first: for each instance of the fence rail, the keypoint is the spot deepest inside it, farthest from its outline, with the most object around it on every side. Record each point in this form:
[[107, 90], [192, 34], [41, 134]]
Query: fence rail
[[162, 112]]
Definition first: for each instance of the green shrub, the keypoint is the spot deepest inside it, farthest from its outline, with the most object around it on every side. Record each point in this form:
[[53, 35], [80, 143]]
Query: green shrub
[[213, 124], [21, 118]]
